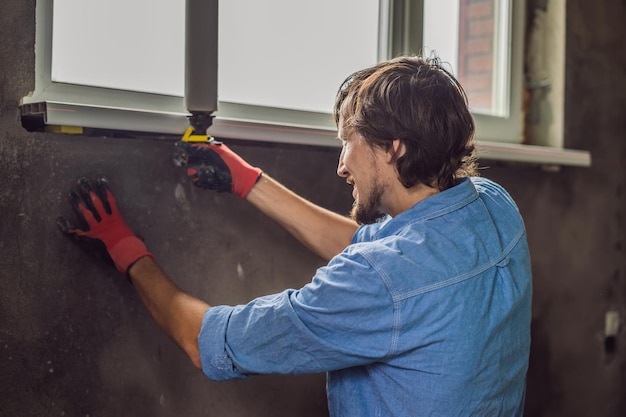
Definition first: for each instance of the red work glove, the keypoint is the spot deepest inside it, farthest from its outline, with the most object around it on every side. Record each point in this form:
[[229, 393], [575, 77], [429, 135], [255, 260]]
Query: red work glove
[[105, 231], [214, 166]]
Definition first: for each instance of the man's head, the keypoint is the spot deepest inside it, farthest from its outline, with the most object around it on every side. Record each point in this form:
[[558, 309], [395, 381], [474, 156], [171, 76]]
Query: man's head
[[416, 101]]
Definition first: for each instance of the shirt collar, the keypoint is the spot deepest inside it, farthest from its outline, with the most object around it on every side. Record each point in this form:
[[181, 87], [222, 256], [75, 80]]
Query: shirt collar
[[437, 205]]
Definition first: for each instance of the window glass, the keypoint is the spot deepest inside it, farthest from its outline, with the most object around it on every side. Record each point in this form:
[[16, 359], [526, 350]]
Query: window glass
[[288, 54], [132, 45]]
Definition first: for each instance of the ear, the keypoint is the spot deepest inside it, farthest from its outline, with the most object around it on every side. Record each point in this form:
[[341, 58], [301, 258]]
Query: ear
[[396, 150]]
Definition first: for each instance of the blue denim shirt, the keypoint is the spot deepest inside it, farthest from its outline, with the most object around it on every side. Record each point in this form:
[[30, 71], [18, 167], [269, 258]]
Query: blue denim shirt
[[424, 314]]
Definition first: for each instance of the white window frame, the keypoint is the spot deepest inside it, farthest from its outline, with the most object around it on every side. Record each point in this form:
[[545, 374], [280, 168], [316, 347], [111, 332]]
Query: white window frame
[[59, 104], [505, 128]]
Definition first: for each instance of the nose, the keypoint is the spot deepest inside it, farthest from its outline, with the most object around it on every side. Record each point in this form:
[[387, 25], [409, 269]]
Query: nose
[[342, 171]]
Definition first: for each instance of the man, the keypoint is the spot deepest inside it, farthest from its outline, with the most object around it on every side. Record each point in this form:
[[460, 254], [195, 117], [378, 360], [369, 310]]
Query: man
[[424, 306]]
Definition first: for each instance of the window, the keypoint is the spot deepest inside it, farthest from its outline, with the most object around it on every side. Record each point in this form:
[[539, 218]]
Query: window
[[483, 45], [478, 48], [281, 62], [120, 65]]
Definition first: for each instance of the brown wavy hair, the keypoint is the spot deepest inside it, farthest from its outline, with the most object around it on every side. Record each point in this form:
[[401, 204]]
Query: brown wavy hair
[[417, 101]]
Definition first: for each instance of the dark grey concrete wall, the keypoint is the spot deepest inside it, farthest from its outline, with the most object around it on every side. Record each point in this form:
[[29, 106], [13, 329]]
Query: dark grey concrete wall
[[75, 340]]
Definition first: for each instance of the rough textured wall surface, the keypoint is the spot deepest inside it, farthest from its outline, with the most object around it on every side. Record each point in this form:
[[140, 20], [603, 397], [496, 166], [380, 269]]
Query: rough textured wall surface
[[575, 220], [75, 340]]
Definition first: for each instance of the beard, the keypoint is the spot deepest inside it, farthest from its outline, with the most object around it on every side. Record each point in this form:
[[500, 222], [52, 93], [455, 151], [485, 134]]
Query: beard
[[366, 211]]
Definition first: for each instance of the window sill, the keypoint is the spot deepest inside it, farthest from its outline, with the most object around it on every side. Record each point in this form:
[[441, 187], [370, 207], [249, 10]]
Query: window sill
[[487, 150], [541, 155]]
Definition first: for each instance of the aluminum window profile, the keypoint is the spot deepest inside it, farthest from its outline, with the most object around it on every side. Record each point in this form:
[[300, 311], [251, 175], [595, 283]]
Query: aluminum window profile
[[405, 32]]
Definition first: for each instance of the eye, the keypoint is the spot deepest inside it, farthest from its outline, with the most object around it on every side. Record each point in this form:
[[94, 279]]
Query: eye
[[343, 142]]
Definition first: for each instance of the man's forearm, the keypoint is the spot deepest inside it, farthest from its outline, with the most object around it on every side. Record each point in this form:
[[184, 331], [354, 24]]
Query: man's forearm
[[177, 313], [324, 232]]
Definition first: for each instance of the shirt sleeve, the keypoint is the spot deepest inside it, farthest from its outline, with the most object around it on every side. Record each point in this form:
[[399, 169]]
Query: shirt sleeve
[[342, 318]]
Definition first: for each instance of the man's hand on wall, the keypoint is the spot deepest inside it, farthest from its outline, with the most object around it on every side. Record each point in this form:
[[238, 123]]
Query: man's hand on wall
[[103, 229]]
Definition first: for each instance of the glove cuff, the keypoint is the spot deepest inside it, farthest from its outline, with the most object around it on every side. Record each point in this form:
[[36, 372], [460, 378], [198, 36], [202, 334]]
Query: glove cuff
[[246, 181], [128, 251]]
